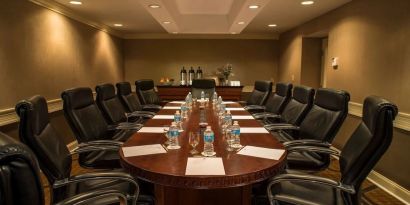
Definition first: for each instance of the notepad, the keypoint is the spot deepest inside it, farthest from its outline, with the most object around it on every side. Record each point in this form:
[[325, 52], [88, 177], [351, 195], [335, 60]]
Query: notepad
[[205, 166], [151, 130], [235, 108], [143, 150], [242, 117], [255, 130], [166, 117], [177, 102], [262, 152], [228, 102], [171, 108]]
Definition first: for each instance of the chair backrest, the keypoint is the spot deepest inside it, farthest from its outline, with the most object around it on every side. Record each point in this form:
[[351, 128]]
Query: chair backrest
[[83, 114], [19, 174], [146, 92], [327, 115], [368, 142], [277, 102], [260, 93], [109, 104], [127, 98], [206, 85], [36, 132], [299, 105]]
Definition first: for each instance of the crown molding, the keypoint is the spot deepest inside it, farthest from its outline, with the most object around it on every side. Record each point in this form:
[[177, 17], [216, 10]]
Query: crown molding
[[58, 8], [199, 36]]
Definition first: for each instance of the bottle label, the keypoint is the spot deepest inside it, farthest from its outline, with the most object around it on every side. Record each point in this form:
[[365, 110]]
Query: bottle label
[[173, 133], [177, 118], [209, 137], [228, 118], [236, 131]]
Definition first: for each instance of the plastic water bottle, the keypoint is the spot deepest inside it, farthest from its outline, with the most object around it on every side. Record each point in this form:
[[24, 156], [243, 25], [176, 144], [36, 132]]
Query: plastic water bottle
[[236, 132], [184, 110], [228, 118], [177, 117], [214, 99], [220, 100], [173, 135], [202, 95], [209, 138]]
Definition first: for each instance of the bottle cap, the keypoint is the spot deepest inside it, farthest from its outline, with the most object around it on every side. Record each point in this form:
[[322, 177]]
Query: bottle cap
[[177, 112], [208, 127], [228, 112], [173, 123], [235, 122]]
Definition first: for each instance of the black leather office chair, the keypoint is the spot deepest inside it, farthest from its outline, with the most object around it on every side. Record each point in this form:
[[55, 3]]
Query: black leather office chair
[[295, 110], [260, 93], [55, 159], [145, 90], [205, 85], [276, 102], [358, 157], [131, 101], [320, 126], [20, 181], [113, 110]]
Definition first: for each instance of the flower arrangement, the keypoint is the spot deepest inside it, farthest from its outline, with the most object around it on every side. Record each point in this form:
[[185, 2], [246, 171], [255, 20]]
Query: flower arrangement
[[225, 71]]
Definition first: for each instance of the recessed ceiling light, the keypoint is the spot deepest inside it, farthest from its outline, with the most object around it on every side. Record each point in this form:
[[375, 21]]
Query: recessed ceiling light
[[233, 32], [175, 32], [166, 22], [154, 6], [307, 2], [76, 2], [253, 6], [272, 25], [118, 25], [241, 22]]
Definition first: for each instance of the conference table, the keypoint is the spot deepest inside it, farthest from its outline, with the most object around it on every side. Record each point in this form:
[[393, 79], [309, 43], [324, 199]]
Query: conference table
[[167, 171]]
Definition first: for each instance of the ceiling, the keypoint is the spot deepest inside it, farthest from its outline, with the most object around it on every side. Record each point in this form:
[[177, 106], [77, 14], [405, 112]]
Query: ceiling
[[200, 16]]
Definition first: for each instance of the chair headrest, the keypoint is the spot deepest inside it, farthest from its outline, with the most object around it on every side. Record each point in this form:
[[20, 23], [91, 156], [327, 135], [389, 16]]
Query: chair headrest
[[203, 83], [303, 94], [283, 89], [37, 106], [263, 86], [105, 91], [144, 84], [123, 88], [332, 99], [78, 97], [372, 107]]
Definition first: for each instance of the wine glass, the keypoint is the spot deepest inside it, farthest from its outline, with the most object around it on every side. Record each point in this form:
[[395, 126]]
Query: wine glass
[[165, 130], [193, 141]]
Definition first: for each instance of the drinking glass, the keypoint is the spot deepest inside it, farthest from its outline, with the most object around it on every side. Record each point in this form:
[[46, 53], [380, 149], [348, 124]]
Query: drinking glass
[[166, 129], [229, 140], [193, 141]]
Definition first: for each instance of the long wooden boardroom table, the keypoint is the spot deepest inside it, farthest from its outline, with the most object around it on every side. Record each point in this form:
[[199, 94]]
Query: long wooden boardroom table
[[167, 171]]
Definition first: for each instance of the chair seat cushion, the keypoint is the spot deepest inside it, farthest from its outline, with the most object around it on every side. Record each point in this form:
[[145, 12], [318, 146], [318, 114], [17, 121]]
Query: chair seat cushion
[[306, 161], [306, 193]]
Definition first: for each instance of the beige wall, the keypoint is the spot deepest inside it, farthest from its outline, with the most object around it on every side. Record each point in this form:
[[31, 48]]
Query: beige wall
[[251, 59], [311, 62], [43, 52], [370, 37]]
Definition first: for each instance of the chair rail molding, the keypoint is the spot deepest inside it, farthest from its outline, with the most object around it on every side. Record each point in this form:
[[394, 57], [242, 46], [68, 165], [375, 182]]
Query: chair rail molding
[[402, 120]]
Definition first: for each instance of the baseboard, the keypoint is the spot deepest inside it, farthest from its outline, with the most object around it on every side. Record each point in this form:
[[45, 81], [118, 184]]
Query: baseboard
[[390, 187]]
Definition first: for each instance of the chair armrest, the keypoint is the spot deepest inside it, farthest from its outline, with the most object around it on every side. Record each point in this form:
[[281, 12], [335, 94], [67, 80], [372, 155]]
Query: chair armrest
[[120, 176], [316, 149], [281, 126], [305, 142], [101, 142], [151, 106], [265, 115], [89, 197], [141, 113], [89, 147], [254, 107], [307, 178], [125, 126]]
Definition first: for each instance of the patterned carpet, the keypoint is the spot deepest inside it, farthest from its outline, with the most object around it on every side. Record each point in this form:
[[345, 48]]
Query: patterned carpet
[[372, 195]]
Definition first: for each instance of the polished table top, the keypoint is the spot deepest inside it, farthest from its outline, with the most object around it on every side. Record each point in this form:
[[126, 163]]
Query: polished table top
[[169, 169]]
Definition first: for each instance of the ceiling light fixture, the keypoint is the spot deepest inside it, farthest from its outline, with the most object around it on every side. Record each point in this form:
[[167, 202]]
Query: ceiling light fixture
[[76, 2], [154, 6], [307, 2], [254, 7], [241, 22], [118, 25], [272, 25], [166, 22], [233, 32], [175, 32]]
